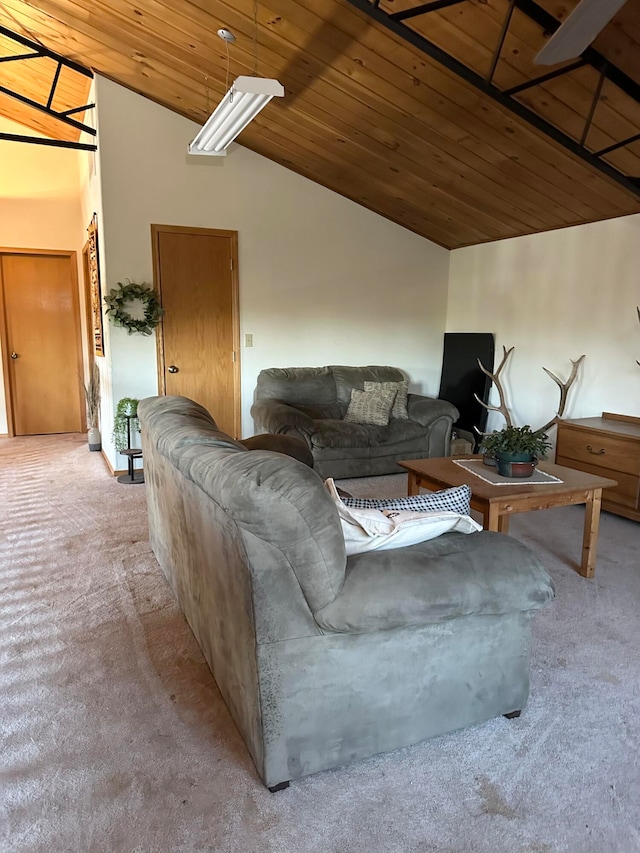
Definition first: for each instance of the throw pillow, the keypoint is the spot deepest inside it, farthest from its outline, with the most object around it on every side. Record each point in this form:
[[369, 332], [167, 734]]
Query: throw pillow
[[399, 411], [371, 407], [456, 499], [377, 530]]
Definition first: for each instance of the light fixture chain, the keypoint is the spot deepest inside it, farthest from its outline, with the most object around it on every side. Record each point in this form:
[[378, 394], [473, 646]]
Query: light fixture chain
[[226, 85]]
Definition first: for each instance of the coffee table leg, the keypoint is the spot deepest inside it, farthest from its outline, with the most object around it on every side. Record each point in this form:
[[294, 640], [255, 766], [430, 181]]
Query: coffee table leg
[[413, 485], [503, 523], [590, 536], [491, 519], [494, 520]]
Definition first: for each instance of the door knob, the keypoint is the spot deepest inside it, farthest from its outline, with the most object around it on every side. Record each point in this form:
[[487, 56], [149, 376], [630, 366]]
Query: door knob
[[14, 355], [172, 368]]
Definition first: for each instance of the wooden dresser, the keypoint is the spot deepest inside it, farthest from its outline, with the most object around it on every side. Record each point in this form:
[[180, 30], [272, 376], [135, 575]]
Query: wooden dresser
[[610, 447]]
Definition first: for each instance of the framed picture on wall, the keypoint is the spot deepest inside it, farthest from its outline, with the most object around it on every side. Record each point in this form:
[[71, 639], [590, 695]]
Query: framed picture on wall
[[94, 283]]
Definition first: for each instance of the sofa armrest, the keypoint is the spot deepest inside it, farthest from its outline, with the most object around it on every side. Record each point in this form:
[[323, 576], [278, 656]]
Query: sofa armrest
[[279, 418], [453, 576], [427, 410]]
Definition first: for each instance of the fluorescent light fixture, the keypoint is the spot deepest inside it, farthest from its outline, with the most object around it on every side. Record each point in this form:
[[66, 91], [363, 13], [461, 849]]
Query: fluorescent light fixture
[[243, 102]]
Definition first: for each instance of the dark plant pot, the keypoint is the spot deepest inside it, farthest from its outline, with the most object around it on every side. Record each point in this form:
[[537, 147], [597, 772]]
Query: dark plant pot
[[515, 464], [489, 459]]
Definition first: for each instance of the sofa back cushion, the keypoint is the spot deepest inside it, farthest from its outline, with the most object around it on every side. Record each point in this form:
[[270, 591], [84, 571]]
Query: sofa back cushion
[[297, 385], [282, 502], [270, 496], [178, 421], [348, 378]]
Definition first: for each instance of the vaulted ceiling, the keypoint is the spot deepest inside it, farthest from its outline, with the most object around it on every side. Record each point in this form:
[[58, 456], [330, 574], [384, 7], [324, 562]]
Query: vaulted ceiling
[[437, 141]]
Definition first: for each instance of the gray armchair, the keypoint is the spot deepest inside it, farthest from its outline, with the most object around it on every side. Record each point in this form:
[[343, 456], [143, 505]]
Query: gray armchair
[[310, 403]]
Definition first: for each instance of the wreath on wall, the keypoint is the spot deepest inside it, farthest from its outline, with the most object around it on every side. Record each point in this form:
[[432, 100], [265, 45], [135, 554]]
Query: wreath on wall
[[120, 297]]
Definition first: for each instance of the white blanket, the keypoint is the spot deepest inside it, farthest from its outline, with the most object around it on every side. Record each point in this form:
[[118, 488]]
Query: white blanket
[[376, 529]]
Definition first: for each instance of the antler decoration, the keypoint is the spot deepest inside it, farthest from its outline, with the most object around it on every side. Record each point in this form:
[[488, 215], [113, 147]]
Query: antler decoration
[[564, 389], [496, 381]]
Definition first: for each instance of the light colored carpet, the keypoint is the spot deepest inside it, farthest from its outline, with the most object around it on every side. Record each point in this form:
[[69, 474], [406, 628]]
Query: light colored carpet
[[115, 738]]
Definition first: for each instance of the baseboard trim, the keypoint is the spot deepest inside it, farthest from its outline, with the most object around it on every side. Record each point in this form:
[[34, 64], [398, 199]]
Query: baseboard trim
[[107, 462]]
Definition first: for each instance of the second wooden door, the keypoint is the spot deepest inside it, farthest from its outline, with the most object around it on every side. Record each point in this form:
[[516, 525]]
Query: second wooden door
[[198, 339]]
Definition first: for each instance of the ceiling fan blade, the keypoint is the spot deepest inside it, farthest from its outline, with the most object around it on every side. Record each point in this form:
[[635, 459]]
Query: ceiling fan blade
[[576, 33]]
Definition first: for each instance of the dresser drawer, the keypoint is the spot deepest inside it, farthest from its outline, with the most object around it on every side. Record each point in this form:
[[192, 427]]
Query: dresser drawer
[[610, 452], [627, 492]]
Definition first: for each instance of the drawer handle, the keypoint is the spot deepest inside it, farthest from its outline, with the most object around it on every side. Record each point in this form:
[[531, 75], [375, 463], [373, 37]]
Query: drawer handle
[[600, 452]]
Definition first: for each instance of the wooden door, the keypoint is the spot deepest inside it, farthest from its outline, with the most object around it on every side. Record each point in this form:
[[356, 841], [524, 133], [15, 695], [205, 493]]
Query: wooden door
[[41, 341], [195, 273]]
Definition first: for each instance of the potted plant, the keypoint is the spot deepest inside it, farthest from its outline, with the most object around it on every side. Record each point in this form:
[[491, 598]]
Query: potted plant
[[92, 399], [516, 449], [125, 422]]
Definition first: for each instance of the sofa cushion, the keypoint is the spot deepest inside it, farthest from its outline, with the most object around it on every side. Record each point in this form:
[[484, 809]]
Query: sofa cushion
[[399, 411], [339, 433], [371, 407], [396, 432], [333, 411], [446, 578], [297, 385]]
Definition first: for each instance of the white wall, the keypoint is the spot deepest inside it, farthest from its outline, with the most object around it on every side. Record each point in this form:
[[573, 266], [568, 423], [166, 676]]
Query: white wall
[[322, 280], [91, 203], [555, 296], [39, 203]]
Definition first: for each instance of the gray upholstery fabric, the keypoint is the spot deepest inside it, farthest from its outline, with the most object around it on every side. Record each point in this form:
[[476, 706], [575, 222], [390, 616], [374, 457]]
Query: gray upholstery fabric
[[281, 417], [426, 410], [475, 574], [347, 378], [295, 385], [343, 697], [251, 544], [338, 433], [286, 444], [185, 422], [365, 449], [317, 413], [257, 491]]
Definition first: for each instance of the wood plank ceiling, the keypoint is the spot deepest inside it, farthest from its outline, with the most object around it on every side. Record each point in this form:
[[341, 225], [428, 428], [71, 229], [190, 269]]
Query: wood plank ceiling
[[365, 113]]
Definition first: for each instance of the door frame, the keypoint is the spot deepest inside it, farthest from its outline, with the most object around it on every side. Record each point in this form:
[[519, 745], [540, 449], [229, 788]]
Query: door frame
[[156, 231], [4, 332]]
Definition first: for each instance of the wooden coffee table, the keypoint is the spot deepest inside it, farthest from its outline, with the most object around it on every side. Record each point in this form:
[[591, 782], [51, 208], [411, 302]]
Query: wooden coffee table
[[497, 503]]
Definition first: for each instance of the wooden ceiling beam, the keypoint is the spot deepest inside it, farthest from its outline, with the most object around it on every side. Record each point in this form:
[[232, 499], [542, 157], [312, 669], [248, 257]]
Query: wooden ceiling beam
[[490, 90], [365, 113], [493, 123], [118, 26]]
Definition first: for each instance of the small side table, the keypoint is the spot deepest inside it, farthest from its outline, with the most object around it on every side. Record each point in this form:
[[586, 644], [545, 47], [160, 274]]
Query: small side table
[[131, 453]]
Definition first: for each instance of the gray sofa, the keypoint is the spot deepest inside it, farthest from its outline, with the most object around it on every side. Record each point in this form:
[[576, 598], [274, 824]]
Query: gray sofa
[[322, 659], [310, 403]]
